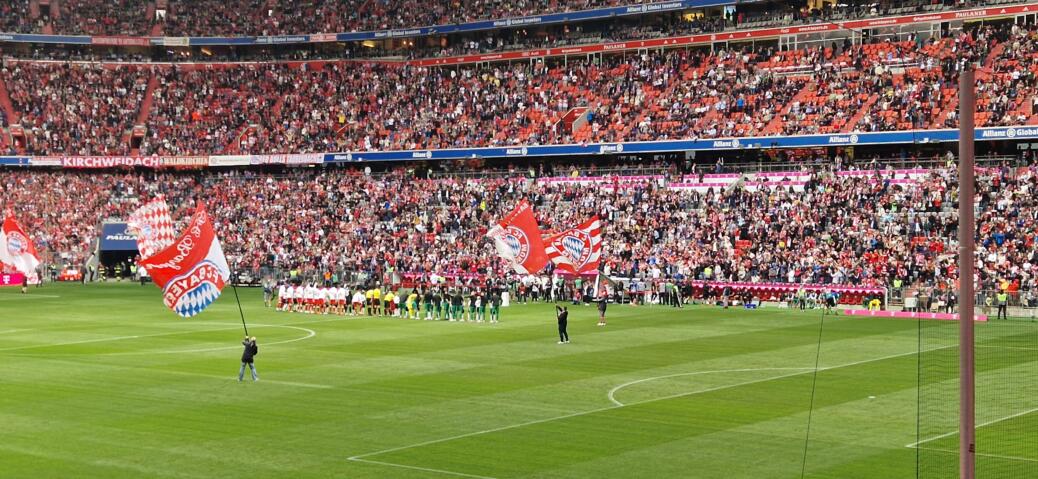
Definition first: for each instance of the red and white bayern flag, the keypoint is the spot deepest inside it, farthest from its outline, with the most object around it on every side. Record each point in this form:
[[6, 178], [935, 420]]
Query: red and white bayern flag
[[192, 270], [577, 250], [16, 249], [518, 240], [154, 227]]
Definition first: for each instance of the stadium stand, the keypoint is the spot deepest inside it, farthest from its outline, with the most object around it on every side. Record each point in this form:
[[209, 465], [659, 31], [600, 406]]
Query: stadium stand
[[380, 106], [75, 109], [212, 18], [864, 227]]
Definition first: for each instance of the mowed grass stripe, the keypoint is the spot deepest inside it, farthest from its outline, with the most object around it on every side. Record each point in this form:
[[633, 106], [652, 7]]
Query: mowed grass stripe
[[644, 425], [91, 414]]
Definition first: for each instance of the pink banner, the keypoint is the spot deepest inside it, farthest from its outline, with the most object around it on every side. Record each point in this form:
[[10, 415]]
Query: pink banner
[[910, 315], [11, 279], [791, 287]]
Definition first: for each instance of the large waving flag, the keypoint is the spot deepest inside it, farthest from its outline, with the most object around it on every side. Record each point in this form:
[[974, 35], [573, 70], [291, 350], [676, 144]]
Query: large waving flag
[[16, 249], [192, 270], [518, 240], [154, 227], [577, 250]]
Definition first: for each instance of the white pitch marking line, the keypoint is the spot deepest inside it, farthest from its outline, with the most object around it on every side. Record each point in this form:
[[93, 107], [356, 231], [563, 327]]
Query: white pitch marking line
[[424, 469], [310, 333], [12, 331], [1007, 347], [997, 456], [942, 436], [612, 392], [101, 340], [360, 457], [28, 296]]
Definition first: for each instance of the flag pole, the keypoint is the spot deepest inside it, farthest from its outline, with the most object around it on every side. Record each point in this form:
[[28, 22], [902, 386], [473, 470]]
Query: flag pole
[[238, 300]]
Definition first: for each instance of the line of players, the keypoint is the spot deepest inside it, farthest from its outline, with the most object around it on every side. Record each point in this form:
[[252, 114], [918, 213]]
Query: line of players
[[431, 304]]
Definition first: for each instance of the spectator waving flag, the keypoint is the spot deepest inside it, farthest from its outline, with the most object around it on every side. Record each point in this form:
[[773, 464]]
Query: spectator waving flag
[[192, 270], [16, 249], [518, 240], [154, 227], [577, 250]]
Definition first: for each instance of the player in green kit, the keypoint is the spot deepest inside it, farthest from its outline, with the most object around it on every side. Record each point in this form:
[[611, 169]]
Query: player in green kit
[[495, 306], [470, 301], [458, 309], [427, 300]]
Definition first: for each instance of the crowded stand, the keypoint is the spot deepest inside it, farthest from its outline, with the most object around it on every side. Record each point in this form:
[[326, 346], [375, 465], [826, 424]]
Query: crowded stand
[[872, 228], [87, 109], [15, 18], [103, 17], [210, 18], [75, 109], [368, 106]]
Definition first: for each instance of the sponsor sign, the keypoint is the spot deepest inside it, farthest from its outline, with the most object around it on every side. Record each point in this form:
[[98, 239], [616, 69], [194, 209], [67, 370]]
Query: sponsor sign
[[11, 279], [117, 237], [93, 162], [229, 160]]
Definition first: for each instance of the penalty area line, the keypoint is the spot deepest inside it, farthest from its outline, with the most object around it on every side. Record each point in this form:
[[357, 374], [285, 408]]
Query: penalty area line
[[417, 468], [360, 457], [996, 456], [995, 421], [612, 392]]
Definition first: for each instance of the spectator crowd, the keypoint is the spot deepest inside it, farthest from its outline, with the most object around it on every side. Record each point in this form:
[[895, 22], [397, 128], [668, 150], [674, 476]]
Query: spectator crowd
[[304, 107], [214, 18], [877, 228]]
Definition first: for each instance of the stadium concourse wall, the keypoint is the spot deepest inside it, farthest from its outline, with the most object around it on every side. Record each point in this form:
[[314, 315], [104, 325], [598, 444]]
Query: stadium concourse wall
[[646, 147], [987, 13]]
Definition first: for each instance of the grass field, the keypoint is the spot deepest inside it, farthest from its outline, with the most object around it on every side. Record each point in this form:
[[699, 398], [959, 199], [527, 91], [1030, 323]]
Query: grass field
[[102, 381]]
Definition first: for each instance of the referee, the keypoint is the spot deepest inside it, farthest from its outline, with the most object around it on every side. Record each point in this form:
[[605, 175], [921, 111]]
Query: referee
[[562, 314]]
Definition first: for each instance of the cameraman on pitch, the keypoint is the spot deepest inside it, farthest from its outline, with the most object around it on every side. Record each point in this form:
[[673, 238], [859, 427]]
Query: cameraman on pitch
[[247, 357]]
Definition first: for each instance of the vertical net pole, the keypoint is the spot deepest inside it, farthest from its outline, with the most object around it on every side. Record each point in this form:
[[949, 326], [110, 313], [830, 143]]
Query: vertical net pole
[[967, 228]]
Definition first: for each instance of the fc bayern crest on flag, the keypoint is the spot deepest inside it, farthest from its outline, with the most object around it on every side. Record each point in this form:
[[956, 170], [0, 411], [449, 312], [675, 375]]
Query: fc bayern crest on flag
[[517, 239], [577, 245], [17, 250], [518, 243], [579, 249], [16, 243]]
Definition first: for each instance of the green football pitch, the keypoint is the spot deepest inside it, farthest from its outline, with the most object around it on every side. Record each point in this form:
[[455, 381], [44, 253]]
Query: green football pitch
[[103, 381]]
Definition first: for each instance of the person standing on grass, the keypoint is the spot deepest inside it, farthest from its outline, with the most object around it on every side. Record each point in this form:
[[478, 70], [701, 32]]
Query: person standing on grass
[[602, 303], [495, 306], [562, 314], [248, 357], [268, 290], [1003, 305]]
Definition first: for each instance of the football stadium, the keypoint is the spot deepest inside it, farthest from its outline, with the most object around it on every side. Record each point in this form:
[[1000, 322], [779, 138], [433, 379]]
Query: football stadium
[[519, 239]]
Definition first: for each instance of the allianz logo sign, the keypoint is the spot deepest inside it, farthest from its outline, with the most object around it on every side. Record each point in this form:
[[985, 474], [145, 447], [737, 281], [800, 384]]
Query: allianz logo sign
[[1010, 132], [422, 154], [617, 148], [843, 140], [733, 143], [516, 151]]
